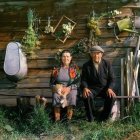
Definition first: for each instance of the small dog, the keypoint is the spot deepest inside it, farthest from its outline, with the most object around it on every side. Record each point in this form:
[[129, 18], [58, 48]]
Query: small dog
[[58, 89], [41, 100]]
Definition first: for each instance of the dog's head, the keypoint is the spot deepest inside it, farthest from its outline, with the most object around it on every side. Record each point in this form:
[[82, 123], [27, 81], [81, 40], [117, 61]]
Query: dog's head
[[57, 88]]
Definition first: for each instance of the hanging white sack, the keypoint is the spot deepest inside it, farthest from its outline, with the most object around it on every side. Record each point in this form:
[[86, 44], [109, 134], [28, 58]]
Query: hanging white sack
[[15, 62], [115, 112], [137, 22]]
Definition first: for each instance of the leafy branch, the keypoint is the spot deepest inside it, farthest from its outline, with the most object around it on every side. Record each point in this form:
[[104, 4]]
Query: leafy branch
[[30, 41]]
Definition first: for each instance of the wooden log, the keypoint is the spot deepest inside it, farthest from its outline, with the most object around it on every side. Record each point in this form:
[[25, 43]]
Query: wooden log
[[127, 97], [25, 91]]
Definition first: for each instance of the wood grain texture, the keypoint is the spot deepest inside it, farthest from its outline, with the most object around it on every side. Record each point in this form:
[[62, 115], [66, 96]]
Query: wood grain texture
[[13, 25]]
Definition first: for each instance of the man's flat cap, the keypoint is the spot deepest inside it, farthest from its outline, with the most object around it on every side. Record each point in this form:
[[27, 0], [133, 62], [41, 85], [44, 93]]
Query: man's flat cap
[[96, 49]]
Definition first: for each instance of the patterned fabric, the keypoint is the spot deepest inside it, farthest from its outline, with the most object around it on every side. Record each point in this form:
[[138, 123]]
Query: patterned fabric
[[69, 78], [73, 72]]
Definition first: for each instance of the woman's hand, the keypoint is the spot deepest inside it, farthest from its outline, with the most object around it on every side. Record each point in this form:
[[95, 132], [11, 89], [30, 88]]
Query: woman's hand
[[86, 92], [66, 90], [111, 93]]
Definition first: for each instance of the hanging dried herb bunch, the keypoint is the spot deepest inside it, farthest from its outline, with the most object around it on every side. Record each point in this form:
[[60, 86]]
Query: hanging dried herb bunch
[[78, 49], [30, 41]]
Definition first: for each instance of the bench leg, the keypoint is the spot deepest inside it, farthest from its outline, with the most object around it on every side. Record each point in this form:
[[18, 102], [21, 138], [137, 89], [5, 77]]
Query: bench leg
[[23, 102]]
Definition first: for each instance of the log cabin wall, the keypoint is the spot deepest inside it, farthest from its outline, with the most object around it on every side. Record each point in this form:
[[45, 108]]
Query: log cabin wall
[[13, 23]]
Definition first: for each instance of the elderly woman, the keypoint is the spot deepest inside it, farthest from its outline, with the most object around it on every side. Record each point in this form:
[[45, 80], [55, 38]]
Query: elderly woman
[[65, 77]]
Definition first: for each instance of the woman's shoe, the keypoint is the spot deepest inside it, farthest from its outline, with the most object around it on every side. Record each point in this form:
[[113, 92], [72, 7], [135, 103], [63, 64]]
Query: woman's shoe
[[69, 112], [57, 113]]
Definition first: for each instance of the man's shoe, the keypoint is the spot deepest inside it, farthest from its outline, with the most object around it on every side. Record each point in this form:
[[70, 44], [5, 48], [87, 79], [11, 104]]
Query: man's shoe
[[91, 120]]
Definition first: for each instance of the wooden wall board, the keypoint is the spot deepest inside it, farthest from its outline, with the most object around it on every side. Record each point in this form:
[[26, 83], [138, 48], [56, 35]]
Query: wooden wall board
[[13, 24]]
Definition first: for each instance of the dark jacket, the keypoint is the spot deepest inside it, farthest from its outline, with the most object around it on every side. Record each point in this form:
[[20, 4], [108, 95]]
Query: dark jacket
[[101, 80]]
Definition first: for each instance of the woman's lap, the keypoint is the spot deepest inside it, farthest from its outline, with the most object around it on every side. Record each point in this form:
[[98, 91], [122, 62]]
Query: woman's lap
[[71, 98]]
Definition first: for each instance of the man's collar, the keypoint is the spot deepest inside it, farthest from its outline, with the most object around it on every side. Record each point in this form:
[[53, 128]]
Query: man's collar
[[97, 62]]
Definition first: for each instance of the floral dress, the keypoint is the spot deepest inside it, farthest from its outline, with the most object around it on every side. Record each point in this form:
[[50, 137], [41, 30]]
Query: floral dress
[[68, 77]]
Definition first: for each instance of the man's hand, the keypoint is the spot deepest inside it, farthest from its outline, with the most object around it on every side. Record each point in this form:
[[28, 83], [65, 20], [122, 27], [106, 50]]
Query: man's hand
[[86, 92], [111, 93]]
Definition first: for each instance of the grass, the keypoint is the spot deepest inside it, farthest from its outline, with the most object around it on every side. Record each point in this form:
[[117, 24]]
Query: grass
[[36, 123]]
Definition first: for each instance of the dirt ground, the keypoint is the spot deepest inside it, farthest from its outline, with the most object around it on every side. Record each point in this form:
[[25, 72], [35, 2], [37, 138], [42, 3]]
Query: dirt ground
[[133, 136]]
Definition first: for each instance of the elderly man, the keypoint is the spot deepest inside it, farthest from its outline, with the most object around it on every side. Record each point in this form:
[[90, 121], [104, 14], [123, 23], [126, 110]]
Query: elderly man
[[97, 80]]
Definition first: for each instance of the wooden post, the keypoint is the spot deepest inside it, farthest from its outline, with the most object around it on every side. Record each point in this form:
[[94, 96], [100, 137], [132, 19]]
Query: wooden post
[[131, 72], [131, 76], [122, 88], [135, 89], [128, 72], [127, 68]]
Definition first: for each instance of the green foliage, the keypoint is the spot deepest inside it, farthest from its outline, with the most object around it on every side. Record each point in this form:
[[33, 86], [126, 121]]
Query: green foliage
[[59, 35], [39, 120], [80, 48], [134, 114], [2, 119], [37, 125], [30, 41]]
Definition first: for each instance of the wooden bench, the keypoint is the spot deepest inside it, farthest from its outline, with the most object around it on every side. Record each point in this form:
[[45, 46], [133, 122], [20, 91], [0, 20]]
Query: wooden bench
[[26, 99]]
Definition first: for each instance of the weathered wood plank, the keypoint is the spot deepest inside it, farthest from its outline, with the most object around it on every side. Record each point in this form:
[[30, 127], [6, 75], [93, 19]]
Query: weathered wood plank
[[40, 83], [50, 63], [33, 92], [14, 23]]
